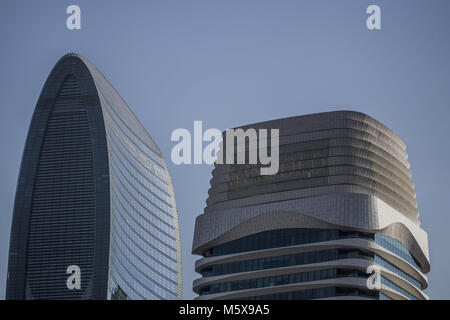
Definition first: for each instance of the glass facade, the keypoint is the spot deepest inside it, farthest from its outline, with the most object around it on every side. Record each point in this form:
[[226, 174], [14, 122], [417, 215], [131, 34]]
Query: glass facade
[[291, 237], [270, 262], [144, 260], [319, 293], [270, 281], [274, 239], [396, 247], [94, 191], [297, 295], [343, 187], [63, 202], [144, 253], [382, 262], [395, 287]]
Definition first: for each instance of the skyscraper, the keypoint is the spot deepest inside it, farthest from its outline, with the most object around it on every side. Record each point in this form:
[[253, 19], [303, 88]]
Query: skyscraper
[[342, 201], [93, 192]]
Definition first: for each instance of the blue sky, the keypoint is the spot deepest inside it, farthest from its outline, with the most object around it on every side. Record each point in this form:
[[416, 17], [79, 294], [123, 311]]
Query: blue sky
[[235, 62]]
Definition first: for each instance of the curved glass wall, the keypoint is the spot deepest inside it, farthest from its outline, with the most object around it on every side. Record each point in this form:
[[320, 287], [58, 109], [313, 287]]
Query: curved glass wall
[[297, 295], [396, 247], [392, 285], [274, 239], [270, 262], [397, 271], [290, 237], [271, 281], [384, 297], [143, 257], [343, 175], [318, 293], [94, 192]]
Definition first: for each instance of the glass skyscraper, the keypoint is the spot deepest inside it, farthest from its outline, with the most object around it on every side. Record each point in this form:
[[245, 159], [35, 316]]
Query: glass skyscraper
[[93, 191], [342, 201]]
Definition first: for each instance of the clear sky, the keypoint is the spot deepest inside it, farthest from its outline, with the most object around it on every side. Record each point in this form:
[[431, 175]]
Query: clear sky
[[236, 62]]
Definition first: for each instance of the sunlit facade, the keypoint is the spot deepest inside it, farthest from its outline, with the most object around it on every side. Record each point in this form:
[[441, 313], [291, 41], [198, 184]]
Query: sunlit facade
[[93, 191]]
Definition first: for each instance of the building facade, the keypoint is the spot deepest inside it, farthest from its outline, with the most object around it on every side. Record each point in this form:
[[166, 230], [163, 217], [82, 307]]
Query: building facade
[[343, 200], [93, 192]]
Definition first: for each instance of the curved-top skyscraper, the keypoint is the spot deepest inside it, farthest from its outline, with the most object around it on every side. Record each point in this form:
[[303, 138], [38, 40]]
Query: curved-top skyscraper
[[343, 200], [93, 192]]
